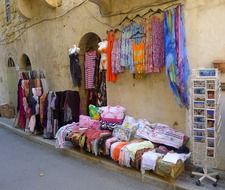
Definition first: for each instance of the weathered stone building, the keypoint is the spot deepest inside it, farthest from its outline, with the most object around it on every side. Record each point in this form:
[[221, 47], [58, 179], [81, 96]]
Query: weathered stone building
[[38, 34]]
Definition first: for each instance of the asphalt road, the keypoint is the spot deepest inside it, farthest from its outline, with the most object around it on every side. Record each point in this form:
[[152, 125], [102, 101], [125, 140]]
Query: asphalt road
[[25, 165]]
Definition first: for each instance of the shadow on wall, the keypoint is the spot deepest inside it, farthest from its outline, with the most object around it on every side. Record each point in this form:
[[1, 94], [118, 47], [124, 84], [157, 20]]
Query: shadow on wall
[[88, 42], [25, 64]]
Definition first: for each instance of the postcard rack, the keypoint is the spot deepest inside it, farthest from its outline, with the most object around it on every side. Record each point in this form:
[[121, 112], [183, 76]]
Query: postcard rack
[[205, 122]]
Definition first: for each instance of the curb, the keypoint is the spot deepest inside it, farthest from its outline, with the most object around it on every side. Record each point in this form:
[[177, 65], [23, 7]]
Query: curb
[[152, 179]]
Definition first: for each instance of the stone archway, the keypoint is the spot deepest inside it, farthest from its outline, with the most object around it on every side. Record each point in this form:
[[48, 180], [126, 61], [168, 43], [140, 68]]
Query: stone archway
[[25, 63], [88, 41], [12, 79]]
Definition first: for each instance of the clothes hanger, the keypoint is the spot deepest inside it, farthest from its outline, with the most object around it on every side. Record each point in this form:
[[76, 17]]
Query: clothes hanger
[[137, 16], [138, 32], [156, 12], [126, 18], [173, 5], [149, 11], [117, 30]]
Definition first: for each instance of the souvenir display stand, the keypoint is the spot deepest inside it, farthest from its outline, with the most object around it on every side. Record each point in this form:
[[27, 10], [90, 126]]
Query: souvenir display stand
[[205, 122]]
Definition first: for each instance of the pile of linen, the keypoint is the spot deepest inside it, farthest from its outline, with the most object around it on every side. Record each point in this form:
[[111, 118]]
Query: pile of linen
[[131, 142]]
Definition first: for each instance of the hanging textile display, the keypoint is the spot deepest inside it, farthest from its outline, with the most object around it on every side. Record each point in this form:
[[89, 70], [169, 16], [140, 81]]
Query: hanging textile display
[[116, 66], [110, 75], [177, 68], [157, 42], [90, 61], [75, 69]]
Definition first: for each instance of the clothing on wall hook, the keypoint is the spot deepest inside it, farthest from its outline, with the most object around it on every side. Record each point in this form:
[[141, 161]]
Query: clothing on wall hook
[[126, 18], [74, 49]]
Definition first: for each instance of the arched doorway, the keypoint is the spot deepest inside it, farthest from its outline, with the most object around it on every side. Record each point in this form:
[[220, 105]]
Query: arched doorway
[[12, 79], [25, 63], [88, 42]]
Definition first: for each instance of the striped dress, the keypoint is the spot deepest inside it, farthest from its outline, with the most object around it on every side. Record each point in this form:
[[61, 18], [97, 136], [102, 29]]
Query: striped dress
[[90, 61]]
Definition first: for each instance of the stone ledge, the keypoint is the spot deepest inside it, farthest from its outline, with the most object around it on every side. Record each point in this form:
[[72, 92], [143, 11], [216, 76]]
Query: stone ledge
[[108, 164]]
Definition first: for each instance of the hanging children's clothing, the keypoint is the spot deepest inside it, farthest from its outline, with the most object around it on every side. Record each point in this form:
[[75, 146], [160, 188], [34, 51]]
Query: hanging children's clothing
[[147, 24], [75, 69], [138, 56], [103, 50], [90, 60], [110, 75], [157, 42], [116, 66]]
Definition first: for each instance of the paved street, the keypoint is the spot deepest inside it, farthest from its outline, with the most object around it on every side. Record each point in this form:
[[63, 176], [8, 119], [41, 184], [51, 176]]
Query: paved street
[[25, 165]]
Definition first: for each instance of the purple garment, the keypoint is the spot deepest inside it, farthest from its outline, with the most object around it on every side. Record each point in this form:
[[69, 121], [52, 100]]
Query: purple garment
[[157, 43], [116, 66], [22, 114]]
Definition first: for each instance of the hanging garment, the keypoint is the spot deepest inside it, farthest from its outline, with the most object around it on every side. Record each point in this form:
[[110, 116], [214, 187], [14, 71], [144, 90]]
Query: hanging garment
[[147, 24], [158, 42], [116, 66], [42, 101], [75, 69], [71, 107], [49, 107], [138, 56], [102, 93], [170, 51], [110, 76], [20, 107], [177, 67], [103, 50], [90, 61], [183, 65]]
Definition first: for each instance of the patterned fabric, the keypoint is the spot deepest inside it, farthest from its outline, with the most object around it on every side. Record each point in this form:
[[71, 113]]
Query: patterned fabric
[[108, 144], [126, 58], [138, 157], [147, 23], [161, 134], [116, 151], [103, 50], [177, 67], [110, 75], [108, 126], [102, 94], [116, 66], [138, 56], [157, 43], [90, 60]]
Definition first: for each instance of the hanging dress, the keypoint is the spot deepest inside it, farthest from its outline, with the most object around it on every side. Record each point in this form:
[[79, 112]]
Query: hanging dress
[[110, 76]]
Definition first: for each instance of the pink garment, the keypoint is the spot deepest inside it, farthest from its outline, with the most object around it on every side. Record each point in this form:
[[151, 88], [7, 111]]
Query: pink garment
[[90, 61], [116, 66], [147, 23], [93, 134], [32, 123], [108, 144], [158, 43], [22, 115], [112, 114], [161, 134], [87, 122]]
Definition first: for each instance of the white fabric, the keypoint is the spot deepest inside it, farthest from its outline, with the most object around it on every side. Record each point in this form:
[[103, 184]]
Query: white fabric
[[103, 46], [149, 160], [63, 132], [113, 147], [74, 49], [161, 134], [174, 157]]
